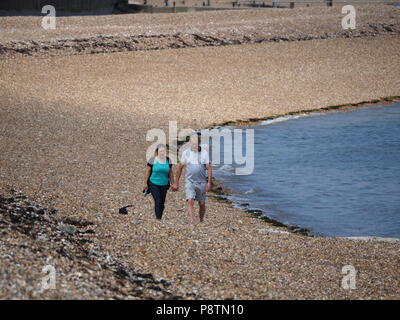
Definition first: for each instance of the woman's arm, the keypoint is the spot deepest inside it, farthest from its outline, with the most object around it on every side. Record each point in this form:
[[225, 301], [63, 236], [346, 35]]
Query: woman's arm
[[178, 175], [146, 177], [171, 176]]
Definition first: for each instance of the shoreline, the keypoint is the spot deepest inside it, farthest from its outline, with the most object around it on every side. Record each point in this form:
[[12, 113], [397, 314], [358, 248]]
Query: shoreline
[[221, 193], [341, 107]]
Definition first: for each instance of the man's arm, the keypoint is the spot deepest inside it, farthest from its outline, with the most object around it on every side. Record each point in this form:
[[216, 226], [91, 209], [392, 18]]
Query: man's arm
[[209, 171]]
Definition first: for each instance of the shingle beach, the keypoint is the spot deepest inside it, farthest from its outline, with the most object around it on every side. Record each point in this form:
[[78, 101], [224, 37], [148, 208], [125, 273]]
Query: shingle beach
[[73, 124]]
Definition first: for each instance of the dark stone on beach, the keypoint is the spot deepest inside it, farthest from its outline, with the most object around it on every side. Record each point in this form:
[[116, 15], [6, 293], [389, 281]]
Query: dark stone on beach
[[155, 288], [123, 210], [121, 273], [164, 282], [90, 231], [15, 218], [144, 275], [9, 200], [30, 209], [68, 229], [77, 223]]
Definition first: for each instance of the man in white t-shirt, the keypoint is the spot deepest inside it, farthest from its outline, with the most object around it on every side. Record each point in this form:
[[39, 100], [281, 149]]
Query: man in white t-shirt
[[198, 176]]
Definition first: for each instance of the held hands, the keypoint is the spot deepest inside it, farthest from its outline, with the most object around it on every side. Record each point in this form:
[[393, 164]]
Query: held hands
[[175, 187], [209, 187]]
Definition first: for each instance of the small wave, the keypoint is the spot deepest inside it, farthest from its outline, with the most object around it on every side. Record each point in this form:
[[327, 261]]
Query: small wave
[[281, 119], [239, 205], [291, 117], [251, 190], [373, 238], [227, 168]]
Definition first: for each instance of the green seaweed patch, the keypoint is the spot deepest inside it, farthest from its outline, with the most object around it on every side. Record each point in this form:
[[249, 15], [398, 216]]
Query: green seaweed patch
[[274, 222], [243, 205], [392, 98], [218, 191], [299, 230], [256, 119], [256, 213], [222, 199], [227, 123]]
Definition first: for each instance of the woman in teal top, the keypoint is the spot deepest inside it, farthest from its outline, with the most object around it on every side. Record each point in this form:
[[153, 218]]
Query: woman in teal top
[[160, 172], [159, 176]]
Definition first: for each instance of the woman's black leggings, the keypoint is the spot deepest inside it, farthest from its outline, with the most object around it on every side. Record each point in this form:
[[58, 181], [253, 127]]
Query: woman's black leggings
[[159, 194]]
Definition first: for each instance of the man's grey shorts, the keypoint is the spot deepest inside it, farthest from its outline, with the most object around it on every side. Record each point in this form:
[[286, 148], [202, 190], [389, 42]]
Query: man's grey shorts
[[196, 190]]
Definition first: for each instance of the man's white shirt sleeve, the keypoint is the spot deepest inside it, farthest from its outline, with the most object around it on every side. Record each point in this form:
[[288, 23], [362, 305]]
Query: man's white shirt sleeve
[[205, 158], [184, 158]]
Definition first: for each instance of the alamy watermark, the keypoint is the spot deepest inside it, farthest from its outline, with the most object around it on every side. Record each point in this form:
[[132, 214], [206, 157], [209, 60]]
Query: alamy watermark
[[49, 280], [236, 146], [349, 280], [49, 21], [349, 20]]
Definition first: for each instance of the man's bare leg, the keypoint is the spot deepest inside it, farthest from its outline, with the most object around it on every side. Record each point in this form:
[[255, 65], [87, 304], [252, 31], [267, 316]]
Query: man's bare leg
[[202, 210], [191, 210]]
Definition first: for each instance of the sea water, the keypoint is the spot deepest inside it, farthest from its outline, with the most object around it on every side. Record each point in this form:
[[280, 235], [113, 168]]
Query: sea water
[[335, 173]]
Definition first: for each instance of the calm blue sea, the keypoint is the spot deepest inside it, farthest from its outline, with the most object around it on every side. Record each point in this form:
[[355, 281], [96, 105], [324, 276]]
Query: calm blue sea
[[337, 174]]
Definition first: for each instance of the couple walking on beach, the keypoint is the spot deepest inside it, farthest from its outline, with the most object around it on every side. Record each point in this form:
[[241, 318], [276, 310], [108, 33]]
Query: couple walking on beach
[[160, 177]]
